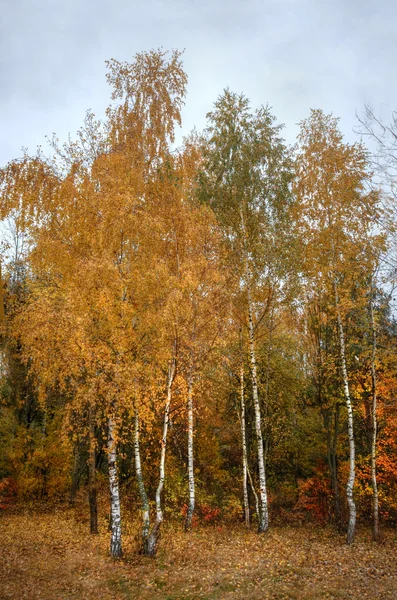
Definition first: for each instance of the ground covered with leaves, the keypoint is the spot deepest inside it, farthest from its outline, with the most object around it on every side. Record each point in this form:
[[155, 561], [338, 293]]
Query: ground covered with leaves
[[51, 556]]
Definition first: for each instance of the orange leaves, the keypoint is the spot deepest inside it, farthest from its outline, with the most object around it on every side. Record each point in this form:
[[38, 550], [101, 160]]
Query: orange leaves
[[315, 496], [151, 91], [334, 213], [94, 260], [8, 492]]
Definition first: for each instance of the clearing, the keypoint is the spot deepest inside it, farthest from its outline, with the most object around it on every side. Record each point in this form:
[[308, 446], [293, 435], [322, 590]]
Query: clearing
[[51, 556]]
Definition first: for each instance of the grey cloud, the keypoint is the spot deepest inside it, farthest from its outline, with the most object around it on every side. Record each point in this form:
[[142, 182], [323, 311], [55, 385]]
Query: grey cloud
[[293, 54]]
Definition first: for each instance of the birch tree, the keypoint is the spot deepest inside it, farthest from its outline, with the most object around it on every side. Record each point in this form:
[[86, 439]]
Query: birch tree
[[245, 179], [336, 213], [88, 211], [244, 439]]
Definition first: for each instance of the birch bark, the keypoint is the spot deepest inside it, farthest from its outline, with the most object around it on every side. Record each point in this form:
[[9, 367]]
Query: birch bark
[[351, 528], [115, 540], [190, 454], [263, 523], [244, 449], [264, 513], [155, 532]]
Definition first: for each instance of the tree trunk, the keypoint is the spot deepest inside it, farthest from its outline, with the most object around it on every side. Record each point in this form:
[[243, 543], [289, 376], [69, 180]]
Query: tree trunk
[[264, 514], [155, 532], [352, 450], [263, 523], [92, 490], [141, 486], [375, 499], [115, 542], [244, 449], [190, 510]]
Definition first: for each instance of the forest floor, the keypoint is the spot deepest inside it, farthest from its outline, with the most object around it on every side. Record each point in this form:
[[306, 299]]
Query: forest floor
[[50, 556]]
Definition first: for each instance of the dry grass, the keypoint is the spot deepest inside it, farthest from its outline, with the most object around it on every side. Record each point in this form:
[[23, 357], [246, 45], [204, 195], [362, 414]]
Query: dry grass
[[51, 556]]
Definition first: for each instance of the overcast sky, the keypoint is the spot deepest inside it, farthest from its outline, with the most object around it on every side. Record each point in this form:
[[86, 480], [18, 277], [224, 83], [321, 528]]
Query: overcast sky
[[293, 54]]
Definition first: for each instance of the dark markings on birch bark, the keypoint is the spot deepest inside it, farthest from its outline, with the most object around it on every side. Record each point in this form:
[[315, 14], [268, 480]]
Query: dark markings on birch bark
[[154, 535], [190, 454], [264, 514], [244, 449], [263, 523], [115, 513], [351, 528]]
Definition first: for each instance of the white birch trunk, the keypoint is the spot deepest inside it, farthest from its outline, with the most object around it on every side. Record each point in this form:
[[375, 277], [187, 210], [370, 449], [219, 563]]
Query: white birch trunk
[[115, 541], [244, 449], [263, 523], [351, 528], [154, 534], [375, 498], [190, 455], [264, 512], [171, 375], [141, 485]]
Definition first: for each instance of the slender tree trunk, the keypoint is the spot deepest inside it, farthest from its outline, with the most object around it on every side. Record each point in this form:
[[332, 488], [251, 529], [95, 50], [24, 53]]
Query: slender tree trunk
[[246, 470], [264, 512], [115, 542], [375, 499], [244, 448], [352, 450], [92, 490], [141, 486], [155, 532], [190, 455]]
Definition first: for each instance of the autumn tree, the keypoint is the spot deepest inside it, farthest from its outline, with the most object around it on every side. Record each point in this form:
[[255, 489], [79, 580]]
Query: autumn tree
[[336, 213], [89, 218], [246, 180]]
